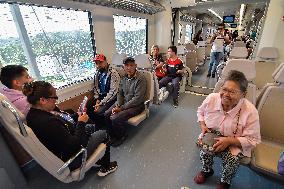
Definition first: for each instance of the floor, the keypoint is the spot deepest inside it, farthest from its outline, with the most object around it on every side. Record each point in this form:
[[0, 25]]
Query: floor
[[159, 154]]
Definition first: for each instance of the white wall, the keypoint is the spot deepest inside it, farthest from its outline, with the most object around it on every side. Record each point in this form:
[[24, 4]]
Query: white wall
[[163, 27], [103, 22], [273, 30]]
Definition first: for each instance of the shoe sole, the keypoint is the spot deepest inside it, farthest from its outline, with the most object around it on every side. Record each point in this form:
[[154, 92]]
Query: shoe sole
[[100, 174]]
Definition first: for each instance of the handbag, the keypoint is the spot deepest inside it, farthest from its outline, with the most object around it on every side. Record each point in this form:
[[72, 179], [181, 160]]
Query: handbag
[[207, 141]]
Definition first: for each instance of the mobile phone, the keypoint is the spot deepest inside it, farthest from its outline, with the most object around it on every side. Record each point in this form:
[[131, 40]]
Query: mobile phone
[[83, 104]]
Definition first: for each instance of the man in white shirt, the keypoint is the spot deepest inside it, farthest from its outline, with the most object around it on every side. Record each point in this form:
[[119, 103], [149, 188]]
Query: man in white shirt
[[217, 50]]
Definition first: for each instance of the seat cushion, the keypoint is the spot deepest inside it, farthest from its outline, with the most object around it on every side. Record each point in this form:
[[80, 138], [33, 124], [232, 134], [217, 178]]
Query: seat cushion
[[137, 119], [266, 156]]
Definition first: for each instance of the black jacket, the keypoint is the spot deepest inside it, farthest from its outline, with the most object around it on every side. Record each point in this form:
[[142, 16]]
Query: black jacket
[[61, 137]]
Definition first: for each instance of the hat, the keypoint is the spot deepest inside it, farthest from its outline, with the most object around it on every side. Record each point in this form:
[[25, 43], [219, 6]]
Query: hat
[[100, 57], [128, 59]]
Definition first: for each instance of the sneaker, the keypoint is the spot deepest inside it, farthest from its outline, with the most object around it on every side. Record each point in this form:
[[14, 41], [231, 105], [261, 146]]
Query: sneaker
[[175, 103], [223, 185], [105, 171], [201, 177], [209, 75]]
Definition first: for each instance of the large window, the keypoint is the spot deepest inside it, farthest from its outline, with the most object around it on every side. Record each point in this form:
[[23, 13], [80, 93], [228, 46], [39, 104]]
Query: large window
[[188, 33], [54, 44], [130, 35]]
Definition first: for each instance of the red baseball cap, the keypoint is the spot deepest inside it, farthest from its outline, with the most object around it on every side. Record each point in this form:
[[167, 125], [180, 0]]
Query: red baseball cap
[[99, 57]]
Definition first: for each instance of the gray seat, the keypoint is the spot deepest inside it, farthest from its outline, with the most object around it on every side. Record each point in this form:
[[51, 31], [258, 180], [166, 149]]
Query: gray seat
[[245, 66], [265, 65], [238, 53], [270, 107], [11, 119]]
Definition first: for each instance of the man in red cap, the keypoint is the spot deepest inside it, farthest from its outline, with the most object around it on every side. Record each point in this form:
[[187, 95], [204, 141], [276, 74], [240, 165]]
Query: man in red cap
[[106, 84]]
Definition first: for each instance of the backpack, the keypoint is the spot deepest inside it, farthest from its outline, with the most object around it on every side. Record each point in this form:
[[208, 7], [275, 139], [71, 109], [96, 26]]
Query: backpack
[[281, 164]]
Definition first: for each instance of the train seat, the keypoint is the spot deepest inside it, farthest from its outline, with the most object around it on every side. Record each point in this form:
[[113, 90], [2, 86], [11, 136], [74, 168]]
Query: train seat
[[270, 107], [238, 53], [239, 44], [245, 66], [200, 51], [265, 65], [11, 119]]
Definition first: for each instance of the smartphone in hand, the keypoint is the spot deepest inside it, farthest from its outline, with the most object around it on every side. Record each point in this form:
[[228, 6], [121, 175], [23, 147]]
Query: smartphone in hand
[[83, 104]]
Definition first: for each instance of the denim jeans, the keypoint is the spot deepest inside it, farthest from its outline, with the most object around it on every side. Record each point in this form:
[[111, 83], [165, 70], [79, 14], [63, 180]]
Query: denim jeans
[[215, 58]]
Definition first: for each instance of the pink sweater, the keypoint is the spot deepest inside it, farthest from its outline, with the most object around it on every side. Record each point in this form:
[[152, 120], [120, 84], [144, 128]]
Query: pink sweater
[[17, 98]]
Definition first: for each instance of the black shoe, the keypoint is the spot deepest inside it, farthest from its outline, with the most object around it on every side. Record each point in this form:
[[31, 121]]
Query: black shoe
[[213, 75], [105, 171], [175, 103], [117, 142], [209, 75]]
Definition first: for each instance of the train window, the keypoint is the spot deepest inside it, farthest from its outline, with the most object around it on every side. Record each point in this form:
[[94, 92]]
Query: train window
[[55, 44], [188, 33], [130, 35]]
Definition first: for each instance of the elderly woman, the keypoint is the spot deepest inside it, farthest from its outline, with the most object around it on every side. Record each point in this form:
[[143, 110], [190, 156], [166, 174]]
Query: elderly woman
[[158, 61], [58, 132], [230, 114]]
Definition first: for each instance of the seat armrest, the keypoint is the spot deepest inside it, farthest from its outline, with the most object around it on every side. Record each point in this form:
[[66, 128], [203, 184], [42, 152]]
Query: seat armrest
[[147, 104], [82, 168]]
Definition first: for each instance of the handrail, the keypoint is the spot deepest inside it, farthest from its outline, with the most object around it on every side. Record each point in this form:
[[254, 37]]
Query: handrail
[[21, 125], [83, 165]]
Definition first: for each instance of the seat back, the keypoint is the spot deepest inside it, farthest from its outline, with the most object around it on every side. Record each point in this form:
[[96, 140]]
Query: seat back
[[270, 108], [190, 47], [12, 122], [239, 44], [239, 53], [200, 52], [245, 66], [191, 60], [265, 66], [143, 61], [117, 59], [208, 50], [268, 53]]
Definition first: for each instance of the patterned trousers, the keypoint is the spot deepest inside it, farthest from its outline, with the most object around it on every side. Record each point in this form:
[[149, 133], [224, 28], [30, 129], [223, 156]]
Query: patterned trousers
[[230, 164]]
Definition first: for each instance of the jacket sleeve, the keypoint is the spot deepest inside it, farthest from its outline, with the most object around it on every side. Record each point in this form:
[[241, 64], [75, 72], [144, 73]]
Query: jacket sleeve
[[120, 94], [114, 85], [96, 93], [139, 96]]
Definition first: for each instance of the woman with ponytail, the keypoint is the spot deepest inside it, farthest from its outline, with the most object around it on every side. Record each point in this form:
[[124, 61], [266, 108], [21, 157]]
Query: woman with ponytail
[[60, 133]]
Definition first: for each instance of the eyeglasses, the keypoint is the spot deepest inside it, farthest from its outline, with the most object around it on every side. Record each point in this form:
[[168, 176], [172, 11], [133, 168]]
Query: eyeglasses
[[230, 91], [52, 97], [220, 28]]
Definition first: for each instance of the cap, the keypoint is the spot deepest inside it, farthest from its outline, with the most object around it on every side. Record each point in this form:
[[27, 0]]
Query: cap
[[128, 59], [100, 57]]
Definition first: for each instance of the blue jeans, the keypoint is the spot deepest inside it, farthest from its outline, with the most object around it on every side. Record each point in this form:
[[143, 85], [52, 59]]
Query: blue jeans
[[215, 58], [175, 81]]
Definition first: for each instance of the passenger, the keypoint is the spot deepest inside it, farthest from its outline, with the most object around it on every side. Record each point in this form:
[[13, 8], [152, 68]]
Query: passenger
[[218, 40], [198, 37], [229, 113], [130, 102], [14, 77], [173, 73], [106, 84], [62, 136], [159, 62]]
